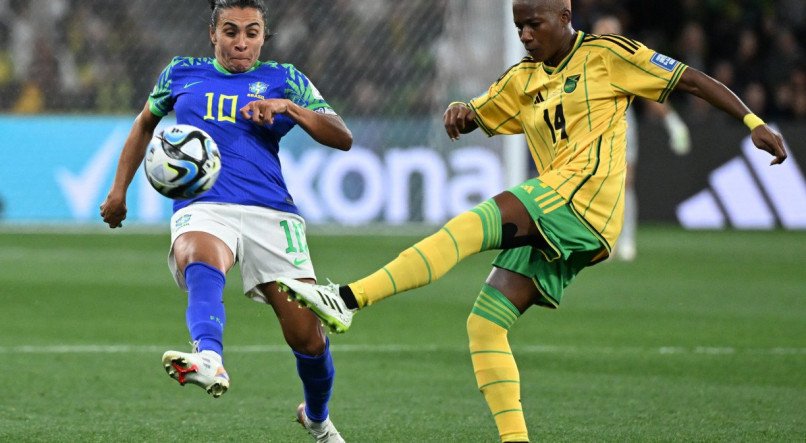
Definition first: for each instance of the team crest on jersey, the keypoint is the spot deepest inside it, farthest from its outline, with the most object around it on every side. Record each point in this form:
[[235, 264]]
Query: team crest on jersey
[[571, 84], [257, 89], [663, 61], [182, 221]]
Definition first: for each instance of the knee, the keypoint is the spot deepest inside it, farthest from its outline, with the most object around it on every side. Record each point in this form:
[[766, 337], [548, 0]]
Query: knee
[[481, 329], [202, 247], [471, 324], [310, 343]]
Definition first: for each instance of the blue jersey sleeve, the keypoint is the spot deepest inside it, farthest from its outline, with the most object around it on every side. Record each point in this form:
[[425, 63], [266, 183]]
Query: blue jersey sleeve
[[161, 99], [301, 91]]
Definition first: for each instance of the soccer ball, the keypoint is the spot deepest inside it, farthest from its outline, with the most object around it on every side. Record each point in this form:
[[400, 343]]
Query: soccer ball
[[182, 162]]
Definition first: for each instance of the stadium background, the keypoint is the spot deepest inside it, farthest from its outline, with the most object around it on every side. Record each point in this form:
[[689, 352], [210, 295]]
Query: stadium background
[[74, 73], [702, 338]]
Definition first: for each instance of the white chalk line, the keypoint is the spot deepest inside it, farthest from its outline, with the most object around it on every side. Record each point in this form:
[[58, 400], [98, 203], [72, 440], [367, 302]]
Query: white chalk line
[[392, 348]]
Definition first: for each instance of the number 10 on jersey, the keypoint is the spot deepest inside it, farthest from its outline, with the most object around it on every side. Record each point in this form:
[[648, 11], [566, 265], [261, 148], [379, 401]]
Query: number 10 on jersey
[[225, 103]]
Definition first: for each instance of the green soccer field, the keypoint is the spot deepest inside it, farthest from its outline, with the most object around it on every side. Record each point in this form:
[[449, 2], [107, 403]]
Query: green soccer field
[[703, 338]]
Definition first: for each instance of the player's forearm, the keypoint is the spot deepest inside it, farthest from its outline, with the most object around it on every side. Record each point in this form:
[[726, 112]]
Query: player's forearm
[[134, 150], [326, 129], [714, 92], [717, 94]]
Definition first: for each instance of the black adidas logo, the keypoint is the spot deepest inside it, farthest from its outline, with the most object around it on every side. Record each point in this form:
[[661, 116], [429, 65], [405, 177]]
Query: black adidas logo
[[330, 302]]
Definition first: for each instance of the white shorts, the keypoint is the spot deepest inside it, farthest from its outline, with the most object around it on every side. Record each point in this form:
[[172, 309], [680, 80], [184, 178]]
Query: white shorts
[[267, 243]]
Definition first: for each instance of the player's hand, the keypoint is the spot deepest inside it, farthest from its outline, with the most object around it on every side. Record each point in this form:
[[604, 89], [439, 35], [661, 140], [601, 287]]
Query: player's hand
[[113, 210], [767, 139], [262, 112], [459, 119]]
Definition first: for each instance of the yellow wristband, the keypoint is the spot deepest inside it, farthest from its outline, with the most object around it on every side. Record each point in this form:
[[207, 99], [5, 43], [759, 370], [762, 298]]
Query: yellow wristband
[[458, 103], [752, 121]]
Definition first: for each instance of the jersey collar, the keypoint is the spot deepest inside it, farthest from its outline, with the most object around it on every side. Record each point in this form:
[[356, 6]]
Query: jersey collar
[[220, 68], [552, 70]]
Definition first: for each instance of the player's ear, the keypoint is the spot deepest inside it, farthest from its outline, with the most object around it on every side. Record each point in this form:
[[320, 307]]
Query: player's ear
[[565, 16], [213, 39]]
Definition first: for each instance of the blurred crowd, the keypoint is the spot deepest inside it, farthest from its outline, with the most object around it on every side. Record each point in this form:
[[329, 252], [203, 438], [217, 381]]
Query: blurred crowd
[[73, 56], [103, 56], [755, 47], [369, 57]]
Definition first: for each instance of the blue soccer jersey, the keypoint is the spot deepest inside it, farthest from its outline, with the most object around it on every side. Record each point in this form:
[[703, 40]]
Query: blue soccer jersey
[[204, 94]]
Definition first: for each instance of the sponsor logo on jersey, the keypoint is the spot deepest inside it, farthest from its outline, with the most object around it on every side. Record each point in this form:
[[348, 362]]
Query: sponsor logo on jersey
[[299, 261], [539, 98], [189, 84], [257, 89], [663, 61], [571, 83]]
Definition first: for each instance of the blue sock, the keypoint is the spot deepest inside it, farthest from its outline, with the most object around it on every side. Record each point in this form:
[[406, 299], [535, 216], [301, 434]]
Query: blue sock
[[317, 374], [205, 314]]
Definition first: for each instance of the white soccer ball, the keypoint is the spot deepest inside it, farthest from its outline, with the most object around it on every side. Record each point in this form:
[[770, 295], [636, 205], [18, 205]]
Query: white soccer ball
[[182, 162]]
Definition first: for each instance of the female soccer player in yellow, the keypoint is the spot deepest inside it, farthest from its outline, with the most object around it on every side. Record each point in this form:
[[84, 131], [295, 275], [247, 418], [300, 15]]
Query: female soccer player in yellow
[[569, 97]]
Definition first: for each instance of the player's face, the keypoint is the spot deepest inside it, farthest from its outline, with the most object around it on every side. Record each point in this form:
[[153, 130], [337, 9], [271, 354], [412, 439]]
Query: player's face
[[541, 28], [238, 37]]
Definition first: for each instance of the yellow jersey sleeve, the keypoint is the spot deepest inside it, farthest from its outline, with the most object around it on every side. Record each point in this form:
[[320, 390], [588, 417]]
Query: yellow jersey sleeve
[[644, 73], [498, 110]]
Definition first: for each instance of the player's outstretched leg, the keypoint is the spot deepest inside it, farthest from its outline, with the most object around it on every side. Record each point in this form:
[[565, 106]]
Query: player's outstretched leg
[[496, 372], [202, 369], [466, 234], [205, 321], [323, 300], [322, 432]]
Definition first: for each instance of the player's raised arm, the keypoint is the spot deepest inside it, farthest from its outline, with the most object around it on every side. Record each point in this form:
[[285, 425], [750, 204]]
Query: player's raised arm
[[113, 209], [459, 119], [326, 128], [701, 85]]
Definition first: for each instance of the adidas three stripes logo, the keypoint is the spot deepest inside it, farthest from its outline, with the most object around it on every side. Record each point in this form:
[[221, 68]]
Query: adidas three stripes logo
[[747, 193]]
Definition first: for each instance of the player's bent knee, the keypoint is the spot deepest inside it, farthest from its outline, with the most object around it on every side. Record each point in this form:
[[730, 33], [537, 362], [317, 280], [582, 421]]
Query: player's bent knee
[[201, 247], [480, 329], [492, 314], [304, 342]]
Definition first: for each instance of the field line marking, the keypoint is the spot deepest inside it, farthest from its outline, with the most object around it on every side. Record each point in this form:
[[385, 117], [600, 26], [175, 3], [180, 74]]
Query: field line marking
[[392, 348]]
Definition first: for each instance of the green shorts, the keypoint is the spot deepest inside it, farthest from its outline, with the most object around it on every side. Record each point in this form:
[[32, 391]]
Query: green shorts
[[571, 244]]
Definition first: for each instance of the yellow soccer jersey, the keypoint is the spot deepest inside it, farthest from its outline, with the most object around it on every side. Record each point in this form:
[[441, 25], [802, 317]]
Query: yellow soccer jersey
[[574, 119]]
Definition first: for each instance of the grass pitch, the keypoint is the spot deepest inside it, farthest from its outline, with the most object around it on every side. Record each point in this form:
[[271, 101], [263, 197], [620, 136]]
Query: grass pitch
[[702, 338]]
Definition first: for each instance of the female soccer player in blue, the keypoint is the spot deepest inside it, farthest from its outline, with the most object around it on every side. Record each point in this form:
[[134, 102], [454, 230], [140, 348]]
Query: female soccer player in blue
[[248, 216]]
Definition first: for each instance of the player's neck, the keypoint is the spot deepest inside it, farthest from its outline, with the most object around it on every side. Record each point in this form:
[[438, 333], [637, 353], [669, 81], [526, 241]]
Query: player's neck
[[566, 49]]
